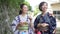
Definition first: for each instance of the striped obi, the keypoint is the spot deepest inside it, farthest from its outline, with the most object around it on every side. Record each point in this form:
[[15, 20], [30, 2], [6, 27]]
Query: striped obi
[[24, 27]]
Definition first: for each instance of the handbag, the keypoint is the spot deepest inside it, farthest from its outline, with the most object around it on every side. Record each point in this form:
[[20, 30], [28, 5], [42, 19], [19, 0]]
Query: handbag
[[37, 32]]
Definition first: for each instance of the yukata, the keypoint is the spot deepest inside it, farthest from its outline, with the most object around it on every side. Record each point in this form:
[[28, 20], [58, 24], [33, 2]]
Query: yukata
[[46, 19], [16, 21]]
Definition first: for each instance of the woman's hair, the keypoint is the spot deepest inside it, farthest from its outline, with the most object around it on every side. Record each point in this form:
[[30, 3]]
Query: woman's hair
[[41, 4], [21, 6]]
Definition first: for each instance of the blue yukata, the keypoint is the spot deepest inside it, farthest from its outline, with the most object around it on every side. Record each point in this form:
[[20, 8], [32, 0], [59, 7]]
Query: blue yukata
[[19, 19], [50, 20]]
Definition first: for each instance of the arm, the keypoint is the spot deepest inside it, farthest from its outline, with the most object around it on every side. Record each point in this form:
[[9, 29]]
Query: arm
[[36, 22], [31, 23], [54, 25], [53, 21], [15, 23]]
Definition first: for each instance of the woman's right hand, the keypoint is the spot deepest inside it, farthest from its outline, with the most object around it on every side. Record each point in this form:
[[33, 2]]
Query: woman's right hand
[[44, 25], [20, 24]]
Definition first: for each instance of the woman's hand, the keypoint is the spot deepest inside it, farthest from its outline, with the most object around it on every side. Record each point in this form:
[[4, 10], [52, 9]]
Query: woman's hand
[[30, 18], [44, 25], [31, 24], [20, 24], [39, 25], [54, 32]]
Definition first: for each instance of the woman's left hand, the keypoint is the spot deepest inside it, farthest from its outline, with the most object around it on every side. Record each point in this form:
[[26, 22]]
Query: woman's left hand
[[31, 24], [54, 32], [30, 19]]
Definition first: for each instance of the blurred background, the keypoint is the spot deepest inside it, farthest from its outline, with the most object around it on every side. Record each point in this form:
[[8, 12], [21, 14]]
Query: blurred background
[[9, 9]]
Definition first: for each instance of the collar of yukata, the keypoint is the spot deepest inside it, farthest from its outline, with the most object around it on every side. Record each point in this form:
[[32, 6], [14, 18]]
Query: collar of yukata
[[45, 14]]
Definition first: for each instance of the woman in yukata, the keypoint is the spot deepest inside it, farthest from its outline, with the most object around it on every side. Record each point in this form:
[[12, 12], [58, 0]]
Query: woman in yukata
[[22, 23], [45, 23]]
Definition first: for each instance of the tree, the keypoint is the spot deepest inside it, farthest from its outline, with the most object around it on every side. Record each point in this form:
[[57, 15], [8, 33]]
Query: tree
[[8, 10], [36, 11], [28, 5]]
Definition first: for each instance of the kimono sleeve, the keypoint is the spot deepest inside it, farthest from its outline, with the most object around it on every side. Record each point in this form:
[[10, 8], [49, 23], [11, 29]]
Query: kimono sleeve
[[14, 24], [36, 22], [53, 22]]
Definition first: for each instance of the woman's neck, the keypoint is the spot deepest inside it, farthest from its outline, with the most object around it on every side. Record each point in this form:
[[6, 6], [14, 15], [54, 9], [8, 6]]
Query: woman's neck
[[23, 14], [43, 13]]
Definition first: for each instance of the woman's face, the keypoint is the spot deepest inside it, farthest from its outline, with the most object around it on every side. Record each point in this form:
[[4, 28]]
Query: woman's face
[[25, 9], [44, 7]]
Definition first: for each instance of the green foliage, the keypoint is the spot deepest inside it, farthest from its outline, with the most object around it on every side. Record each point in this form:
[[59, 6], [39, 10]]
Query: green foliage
[[9, 9], [36, 11], [10, 6], [27, 5], [12, 3]]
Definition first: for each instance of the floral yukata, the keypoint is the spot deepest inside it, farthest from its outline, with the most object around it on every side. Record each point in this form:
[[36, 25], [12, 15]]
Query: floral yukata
[[16, 21]]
